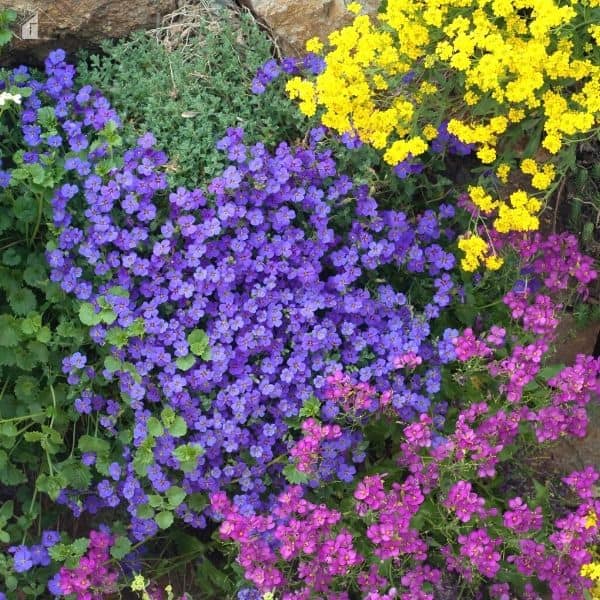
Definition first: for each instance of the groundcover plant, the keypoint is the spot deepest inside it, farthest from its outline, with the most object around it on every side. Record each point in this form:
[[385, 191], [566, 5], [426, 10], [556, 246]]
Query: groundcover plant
[[278, 382]]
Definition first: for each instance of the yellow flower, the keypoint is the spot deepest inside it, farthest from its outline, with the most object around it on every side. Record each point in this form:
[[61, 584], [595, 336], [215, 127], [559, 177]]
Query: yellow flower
[[493, 263], [482, 200], [591, 520], [552, 143], [486, 154], [591, 571], [430, 132], [428, 88], [528, 166], [502, 172], [475, 249], [314, 45], [354, 7], [138, 584], [543, 179]]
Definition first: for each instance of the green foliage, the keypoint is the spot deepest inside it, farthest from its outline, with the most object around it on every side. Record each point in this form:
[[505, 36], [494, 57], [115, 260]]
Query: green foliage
[[7, 17], [190, 95]]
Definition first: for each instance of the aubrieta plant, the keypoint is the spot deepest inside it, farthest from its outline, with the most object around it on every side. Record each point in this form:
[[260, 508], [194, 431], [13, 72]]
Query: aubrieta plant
[[436, 512], [518, 80], [275, 360], [223, 312]]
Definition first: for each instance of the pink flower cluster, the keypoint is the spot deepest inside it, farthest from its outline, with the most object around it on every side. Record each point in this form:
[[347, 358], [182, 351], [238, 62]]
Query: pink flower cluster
[[520, 368], [540, 317], [392, 534], [467, 346], [556, 259], [520, 518], [559, 562], [301, 549], [478, 553], [463, 501], [352, 396], [92, 579], [296, 531], [307, 450]]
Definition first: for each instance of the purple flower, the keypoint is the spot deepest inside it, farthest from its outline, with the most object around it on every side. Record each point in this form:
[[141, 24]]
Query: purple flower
[[22, 560]]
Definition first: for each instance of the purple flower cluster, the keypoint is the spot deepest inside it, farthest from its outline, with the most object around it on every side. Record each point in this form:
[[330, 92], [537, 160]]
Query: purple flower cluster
[[291, 65], [27, 557], [274, 273], [79, 117]]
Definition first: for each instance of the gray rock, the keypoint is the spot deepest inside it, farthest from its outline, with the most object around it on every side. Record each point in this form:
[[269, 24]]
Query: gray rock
[[292, 22], [73, 24]]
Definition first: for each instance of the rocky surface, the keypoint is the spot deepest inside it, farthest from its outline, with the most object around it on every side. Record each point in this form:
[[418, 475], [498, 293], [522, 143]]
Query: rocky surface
[[571, 454], [72, 24], [292, 22]]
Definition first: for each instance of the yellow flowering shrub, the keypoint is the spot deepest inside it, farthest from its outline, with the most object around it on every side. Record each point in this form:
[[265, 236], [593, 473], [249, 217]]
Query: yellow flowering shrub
[[515, 78]]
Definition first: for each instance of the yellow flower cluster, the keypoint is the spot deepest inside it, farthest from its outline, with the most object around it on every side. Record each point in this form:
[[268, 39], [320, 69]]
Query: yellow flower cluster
[[485, 66], [541, 178], [592, 571], [477, 253], [511, 59], [518, 214]]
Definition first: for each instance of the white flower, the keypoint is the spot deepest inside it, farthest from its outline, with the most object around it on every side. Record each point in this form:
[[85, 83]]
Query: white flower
[[5, 97]]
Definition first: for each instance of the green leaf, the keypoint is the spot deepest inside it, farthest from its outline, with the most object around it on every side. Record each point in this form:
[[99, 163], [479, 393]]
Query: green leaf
[[550, 371], [198, 341], [310, 408], [44, 335], [88, 315], [31, 324], [46, 117], [197, 501], [185, 363], [164, 519], [38, 351], [88, 443], [178, 428], [176, 496], [112, 364], [59, 552], [187, 455], [145, 511], [22, 301], [154, 426], [293, 475], [167, 416], [120, 548], [155, 500], [118, 291], [51, 484], [35, 276], [79, 546], [26, 388], [78, 476], [11, 257], [6, 511], [8, 429], [117, 337], [108, 316], [10, 331], [10, 581]]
